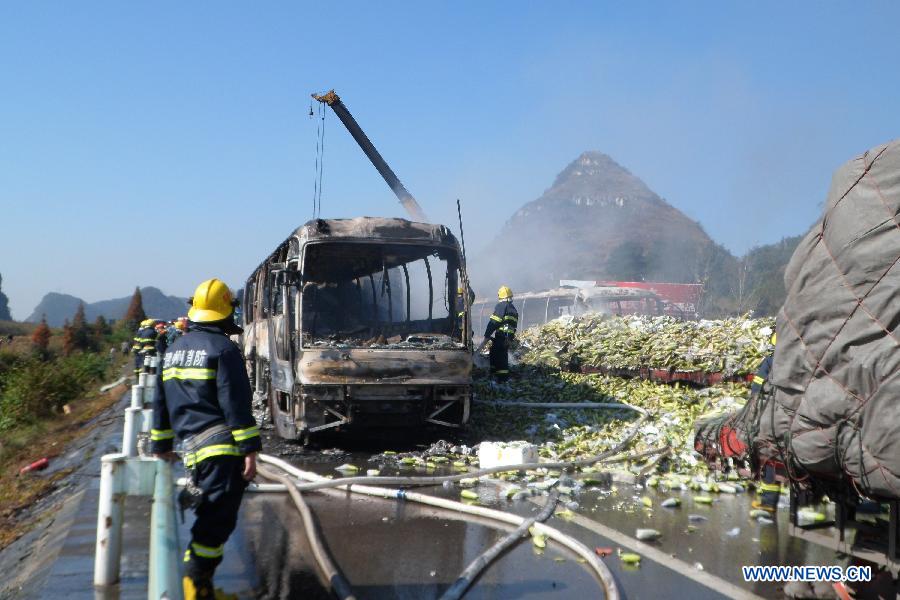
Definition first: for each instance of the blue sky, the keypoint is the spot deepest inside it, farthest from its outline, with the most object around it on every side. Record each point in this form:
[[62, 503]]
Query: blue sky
[[163, 143]]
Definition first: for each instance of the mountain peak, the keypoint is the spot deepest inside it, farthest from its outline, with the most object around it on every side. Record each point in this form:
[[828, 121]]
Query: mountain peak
[[597, 221], [596, 172]]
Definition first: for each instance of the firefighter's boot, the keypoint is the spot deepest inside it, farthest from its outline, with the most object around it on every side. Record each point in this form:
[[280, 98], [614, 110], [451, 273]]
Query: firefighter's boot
[[759, 505], [202, 589], [197, 588]]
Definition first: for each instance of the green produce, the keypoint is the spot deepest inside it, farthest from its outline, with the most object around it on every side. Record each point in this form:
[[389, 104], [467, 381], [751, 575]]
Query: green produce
[[730, 346], [569, 434], [538, 539]]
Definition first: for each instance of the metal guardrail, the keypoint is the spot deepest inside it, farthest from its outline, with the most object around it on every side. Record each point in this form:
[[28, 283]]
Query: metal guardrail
[[129, 474], [164, 574]]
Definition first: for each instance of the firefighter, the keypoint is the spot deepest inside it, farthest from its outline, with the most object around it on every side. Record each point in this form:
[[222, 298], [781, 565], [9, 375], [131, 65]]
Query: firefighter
[[203, 398], [162, 340], [178, 328], [769, 489], [502, 326], [144, 341]]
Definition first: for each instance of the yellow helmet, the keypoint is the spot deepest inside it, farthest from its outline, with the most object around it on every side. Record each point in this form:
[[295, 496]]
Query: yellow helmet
[[504, 293], [147, 322], [773, 338], [212, 301]]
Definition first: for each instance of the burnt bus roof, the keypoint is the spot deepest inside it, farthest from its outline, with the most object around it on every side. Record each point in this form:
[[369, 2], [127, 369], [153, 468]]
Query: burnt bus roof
[[359, 229], [375, 229]]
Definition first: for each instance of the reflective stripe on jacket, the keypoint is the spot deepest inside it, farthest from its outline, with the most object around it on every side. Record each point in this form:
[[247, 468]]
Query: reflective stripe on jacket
[[504, 320], [202, 383], [762, 374], [144, 340]]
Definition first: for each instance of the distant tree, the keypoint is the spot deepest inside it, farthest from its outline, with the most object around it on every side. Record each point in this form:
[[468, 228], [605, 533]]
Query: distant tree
[[40, 337], [68, 341], [767, 274], [135, 313], [77, 336], [4, 304], [101, 327]]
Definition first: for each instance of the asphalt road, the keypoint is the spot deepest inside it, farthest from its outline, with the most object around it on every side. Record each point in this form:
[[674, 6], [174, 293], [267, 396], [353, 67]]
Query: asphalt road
[[393, 549]]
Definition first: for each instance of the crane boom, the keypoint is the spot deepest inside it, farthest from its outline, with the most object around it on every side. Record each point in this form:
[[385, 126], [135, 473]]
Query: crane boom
[[406, 199]]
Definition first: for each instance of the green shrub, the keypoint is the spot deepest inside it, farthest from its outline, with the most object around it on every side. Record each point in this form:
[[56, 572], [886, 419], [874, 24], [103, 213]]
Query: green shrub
[[32, 389]]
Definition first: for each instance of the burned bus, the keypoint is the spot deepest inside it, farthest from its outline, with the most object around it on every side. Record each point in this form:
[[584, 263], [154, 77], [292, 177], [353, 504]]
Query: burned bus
[[353, 323]]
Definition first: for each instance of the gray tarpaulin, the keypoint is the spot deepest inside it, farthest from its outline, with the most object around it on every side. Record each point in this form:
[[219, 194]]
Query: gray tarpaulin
[[836, 414]]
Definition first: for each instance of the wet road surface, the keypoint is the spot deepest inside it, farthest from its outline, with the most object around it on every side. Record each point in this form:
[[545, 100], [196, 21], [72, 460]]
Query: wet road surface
[[390, 549]]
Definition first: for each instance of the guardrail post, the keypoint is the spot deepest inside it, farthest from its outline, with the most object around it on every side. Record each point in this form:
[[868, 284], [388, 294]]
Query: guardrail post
[[137, 396], [164, 576], [130, 434], [109, 519], [150, 383]]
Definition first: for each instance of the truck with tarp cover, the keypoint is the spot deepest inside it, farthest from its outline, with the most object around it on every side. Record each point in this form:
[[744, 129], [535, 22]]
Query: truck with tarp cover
[[355, 322], [827, 415]]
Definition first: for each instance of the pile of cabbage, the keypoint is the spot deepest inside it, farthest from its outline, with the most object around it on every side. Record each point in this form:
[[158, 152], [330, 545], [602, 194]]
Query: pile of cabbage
[[730, 346], [571, 434]]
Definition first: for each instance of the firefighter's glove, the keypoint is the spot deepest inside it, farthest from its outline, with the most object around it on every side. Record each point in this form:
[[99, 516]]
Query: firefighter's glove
[[189, 497]]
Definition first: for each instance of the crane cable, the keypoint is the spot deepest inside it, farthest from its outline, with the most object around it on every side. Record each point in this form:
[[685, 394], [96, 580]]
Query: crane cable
[[320, 161]]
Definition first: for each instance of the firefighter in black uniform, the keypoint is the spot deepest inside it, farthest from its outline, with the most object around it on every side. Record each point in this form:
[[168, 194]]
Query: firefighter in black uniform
[[203, 398], [144, 342], [162, 340], [502, 326]]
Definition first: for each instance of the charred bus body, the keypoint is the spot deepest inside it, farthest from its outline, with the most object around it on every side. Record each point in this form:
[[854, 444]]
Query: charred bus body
[[354, 322]]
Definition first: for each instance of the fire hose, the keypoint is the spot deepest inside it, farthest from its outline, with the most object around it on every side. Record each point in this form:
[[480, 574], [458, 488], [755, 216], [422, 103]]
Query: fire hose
[[339, 584], [357, 485], [471, 573], [602, 572]]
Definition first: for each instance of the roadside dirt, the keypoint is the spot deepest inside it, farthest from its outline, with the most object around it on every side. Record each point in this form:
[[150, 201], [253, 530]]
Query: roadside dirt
[[19, 493]]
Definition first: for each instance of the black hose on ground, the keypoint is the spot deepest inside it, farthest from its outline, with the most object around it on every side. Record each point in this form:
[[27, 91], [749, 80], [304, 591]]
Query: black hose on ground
[[477, 566], [339, 584], [603, 574]]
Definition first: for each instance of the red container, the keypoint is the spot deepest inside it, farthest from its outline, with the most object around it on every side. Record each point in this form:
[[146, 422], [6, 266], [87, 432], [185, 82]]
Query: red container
[[38, 465]]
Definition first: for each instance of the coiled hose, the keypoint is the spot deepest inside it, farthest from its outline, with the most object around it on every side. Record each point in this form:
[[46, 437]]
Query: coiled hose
[[601, 571], [341, 586]]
